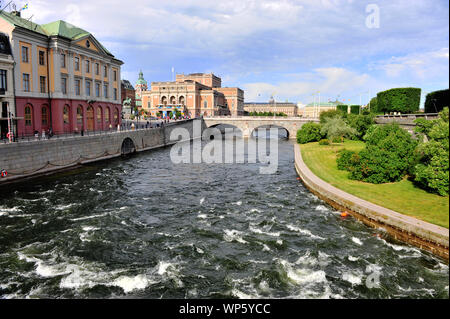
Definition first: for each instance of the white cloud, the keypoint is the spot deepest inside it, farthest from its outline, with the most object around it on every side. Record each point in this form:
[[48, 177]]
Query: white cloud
[[426, 65]]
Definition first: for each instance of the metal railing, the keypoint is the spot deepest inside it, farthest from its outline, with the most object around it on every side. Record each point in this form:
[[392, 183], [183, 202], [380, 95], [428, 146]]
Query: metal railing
[[124, 127]]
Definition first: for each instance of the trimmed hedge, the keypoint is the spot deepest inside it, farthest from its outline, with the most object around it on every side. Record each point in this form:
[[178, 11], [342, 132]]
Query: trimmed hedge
[[354, 109], [343, 108], [436, 101], [403, 100], [374, 105]]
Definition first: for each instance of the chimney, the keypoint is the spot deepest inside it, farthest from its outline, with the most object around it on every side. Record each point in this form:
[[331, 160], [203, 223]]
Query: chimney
[[16, 13]]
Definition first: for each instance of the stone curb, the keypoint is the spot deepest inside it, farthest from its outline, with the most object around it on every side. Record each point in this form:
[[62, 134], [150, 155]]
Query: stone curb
[[404, 228]]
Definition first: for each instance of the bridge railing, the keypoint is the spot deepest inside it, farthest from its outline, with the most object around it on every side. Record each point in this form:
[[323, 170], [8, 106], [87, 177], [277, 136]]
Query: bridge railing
[[409, 116], [29, 138], [261, 117]]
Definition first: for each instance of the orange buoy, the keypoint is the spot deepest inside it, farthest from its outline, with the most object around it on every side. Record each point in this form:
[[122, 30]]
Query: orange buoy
[[344, 214]]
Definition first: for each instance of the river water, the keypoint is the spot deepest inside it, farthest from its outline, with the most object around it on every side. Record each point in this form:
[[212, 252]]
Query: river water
[[147, 228]]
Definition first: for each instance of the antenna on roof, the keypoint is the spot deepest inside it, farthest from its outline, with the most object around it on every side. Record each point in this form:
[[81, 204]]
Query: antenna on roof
[[1, 10]]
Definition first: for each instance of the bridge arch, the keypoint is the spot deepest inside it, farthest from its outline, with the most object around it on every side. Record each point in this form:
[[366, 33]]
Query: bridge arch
[[237, 132], [282, 131], [128, 146]]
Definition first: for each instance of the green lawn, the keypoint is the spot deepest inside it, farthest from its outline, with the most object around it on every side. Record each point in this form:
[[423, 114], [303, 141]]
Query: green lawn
[[402, 197]]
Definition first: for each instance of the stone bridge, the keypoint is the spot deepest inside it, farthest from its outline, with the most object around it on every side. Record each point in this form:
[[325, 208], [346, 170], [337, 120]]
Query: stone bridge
[[405, 121], [247, 124]]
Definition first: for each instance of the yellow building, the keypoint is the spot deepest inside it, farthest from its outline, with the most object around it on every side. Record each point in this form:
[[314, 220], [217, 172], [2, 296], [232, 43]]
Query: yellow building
[[65, 79]]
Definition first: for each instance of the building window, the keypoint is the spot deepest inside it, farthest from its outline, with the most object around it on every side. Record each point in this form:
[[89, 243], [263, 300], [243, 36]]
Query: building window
[[79, 115], [26, 82], [41, 58], [115, 94], [97, 89], [107, 115], [105, 90], [205, 104], [77, 64], [25, 54], [116, 116], [43, 84], [63, 60], [88, 88], [97, 68], [115, 75], [28, 116], [105, 71], [44, 116], [88, 66], [64, 85], [66, 114], [3, 80], [99, 115], [77, 87]]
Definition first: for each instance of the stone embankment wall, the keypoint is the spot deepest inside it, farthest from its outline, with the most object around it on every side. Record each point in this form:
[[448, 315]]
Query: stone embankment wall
[[404, 228], [27, 159]]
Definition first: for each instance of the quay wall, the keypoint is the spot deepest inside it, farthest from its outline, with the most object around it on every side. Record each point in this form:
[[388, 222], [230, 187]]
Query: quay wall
[[26, 159]]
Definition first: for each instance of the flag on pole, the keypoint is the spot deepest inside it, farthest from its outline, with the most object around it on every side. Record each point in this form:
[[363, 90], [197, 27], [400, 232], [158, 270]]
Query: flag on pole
[[24, 7]]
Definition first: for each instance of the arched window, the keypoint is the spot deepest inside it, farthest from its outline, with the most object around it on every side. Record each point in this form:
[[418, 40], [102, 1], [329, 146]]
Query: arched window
[[116, 116], [80, 114], [164, 101], [44, 115], [173, 100], [107, 115], [181, 100], [99, 114], [28, 115], [66, 114]]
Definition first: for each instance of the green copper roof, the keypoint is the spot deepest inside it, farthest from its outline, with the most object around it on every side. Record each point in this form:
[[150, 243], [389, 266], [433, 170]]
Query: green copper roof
[[324, 104], [21, 22], [58, 28], [141, 79], [64, 29]]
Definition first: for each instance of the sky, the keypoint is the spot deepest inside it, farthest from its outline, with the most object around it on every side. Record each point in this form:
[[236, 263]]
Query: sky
[[290, 49]]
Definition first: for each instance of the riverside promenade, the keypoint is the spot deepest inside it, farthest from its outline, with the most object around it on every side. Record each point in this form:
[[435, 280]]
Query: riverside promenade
[[36, 157], [404, 228]]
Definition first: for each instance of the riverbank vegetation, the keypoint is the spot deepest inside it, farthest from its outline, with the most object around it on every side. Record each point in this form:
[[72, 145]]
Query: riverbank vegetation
[[384, 163], [403, 196]]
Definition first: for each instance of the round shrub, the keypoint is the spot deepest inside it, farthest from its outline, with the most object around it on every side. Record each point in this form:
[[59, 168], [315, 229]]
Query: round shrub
[[309, 132], [324, 142], [388, 155], [343, 159]]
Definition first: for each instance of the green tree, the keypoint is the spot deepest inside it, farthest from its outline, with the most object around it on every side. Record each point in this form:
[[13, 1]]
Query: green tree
[[335, 128], [387, 157], [432, 171], [309, 132], [330, 113], [361, 123]]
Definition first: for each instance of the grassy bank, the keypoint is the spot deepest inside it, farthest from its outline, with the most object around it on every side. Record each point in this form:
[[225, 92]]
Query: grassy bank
[[402, 197]]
